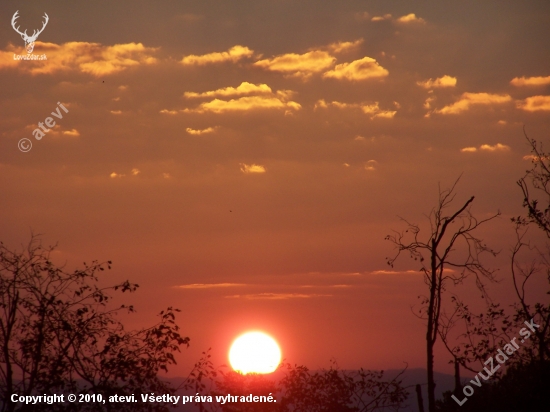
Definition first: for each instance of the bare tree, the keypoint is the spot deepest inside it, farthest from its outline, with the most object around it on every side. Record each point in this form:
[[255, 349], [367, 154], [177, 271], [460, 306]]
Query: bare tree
[[535, 186], [448, 253], [537, 178]]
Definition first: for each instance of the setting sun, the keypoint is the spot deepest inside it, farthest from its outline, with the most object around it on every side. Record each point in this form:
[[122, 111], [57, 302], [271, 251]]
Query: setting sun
[[254, 352]]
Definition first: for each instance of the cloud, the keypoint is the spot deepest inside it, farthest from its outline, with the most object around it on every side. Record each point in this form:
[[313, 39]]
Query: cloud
[[135, 172], [375, 111], [362, 69], [467, 100], [371, 109], [428, 103], [407, 19], [277, 296], [499, 147], [253, 168], [298, 65], [91, 58], [208, 285], [261, 97], [530, 81], [382, 18], [534, 103], [166, 111], [247, 103], [114, 175], [445, 81], [410, 18], [199, 131], [71, 133], [345, 46], [534, 158], [243, 89], [394, 272], [234, 54], [495, 148]]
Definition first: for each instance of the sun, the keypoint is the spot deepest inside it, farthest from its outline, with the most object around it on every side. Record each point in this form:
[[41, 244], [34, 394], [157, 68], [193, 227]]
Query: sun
[[254, 352]]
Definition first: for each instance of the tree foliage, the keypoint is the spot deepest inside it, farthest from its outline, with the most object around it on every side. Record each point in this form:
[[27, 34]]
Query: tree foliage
[[337, 390], [59, 333], [302, 390]]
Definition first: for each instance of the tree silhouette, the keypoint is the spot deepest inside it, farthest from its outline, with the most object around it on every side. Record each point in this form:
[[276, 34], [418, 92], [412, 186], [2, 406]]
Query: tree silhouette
[[59, 334], [534, 185], [522, 382], [302, 390], [523, 388], [336, 390], [449, 252]]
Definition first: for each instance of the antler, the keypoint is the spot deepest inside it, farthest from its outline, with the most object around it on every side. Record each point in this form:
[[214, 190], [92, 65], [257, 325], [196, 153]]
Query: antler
[[15, 17], [36, 33], [25, 35]]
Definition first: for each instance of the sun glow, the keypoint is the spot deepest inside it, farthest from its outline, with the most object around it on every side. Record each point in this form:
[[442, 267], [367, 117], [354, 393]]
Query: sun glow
[[254, 352]]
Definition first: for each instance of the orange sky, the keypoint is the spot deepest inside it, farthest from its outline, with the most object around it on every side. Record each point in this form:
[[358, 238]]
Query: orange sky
[[244, 160]]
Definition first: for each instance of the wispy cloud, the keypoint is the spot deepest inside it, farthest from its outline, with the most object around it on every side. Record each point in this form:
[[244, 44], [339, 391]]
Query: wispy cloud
[[200, 131], [499, 147], [382, 18], [394, 272], [530, 81], [234, 54], [534, 104], [171, 112], [277, 296], [445, 81], [345, 46], [208, 285], [371, 109], [410, 18], [469, 100], [495, 148]]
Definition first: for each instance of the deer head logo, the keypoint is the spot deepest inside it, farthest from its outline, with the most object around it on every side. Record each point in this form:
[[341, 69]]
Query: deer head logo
[[29, 40]]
